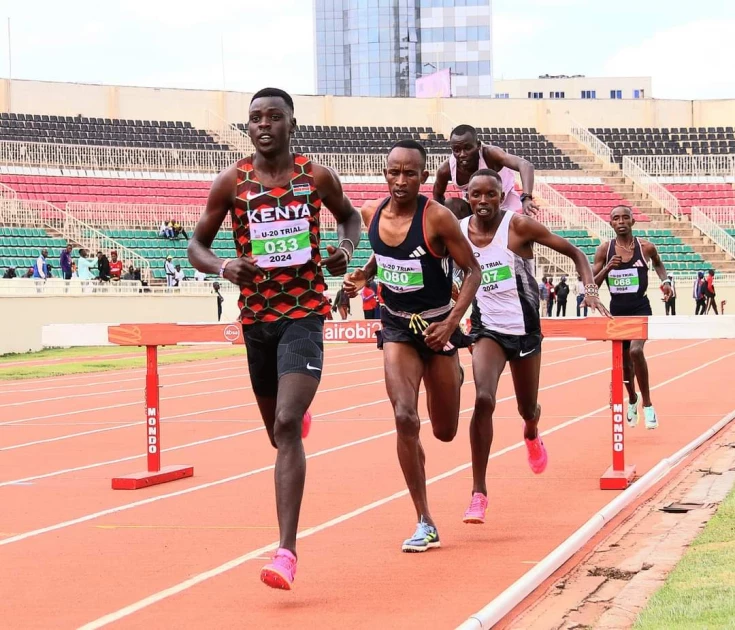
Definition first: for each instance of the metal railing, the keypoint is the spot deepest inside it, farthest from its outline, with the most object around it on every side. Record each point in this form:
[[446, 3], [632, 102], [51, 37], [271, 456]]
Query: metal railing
[[722, 215], [586, 138], [686, 165], [646, 182], [39, 155], [132, 216], [42, 214], [573, 216], [228, 133], [713, 231]]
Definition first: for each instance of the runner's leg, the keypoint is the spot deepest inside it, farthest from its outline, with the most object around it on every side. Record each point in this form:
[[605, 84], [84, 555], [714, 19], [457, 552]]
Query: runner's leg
[[488, 362], [404, 369]]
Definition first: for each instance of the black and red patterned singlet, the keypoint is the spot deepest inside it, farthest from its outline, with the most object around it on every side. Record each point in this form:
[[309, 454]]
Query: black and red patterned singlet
[[279, 227]]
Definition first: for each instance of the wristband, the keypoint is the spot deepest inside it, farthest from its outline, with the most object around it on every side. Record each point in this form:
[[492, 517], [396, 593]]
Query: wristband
[[346, 252], [667, 281], [349, 257], [222, 267]]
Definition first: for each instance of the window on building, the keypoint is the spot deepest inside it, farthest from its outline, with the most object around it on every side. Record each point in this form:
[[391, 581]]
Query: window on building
[[535, 95], [616, 93], [503, 95], [589, 94], [639, 94], [556, 95]]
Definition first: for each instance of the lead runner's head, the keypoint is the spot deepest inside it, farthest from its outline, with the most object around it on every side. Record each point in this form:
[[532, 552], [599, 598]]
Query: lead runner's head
[[621, 220], [405, 171], [271, 121], [485, 194]]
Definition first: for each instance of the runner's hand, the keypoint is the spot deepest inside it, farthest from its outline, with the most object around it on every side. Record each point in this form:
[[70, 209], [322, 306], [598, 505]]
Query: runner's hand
[[594, 303], [242, 271], [667, 291], [615, 262], [529, 207], [455, 291], [437, 335], [336, 264], [354, 282]]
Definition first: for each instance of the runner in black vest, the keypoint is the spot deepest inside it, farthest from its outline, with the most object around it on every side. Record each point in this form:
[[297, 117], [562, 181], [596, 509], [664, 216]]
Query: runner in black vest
[[623, 263], [415, 240]]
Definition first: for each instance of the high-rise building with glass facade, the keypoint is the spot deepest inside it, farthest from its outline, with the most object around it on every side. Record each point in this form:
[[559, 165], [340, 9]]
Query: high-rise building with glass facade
[[380, 47]]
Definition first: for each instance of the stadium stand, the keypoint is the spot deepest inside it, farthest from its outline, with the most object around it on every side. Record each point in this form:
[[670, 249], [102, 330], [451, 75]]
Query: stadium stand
[[21, 246], [690, 195], [110, 132], [667, 141], [598, 198]]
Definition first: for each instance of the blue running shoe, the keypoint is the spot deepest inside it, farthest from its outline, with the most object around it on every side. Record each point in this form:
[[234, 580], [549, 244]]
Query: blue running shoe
[[424, 538]]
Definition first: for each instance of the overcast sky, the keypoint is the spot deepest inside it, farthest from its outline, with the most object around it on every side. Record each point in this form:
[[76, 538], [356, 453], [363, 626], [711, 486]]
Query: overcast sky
[[687, 47]]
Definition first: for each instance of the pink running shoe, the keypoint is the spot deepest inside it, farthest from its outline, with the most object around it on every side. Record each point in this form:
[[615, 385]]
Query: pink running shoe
[[306, 424], [476, 512], [280, 573], [537, 456]]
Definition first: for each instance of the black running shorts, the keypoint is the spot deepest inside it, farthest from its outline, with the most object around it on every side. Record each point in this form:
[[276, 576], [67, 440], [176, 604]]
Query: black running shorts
[[397, 329], [516, 347], [287, 346]]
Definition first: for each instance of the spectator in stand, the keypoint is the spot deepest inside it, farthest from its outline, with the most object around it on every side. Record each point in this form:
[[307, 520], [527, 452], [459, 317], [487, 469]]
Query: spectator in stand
[[670, 304], [10, 273], [103, 267], [199, 276], [40, 269], [579, 291], [65, 262], [543, 294], [29, 273], [116, 266], [170, 270], [130, 275], [85, 264], [698, 294], [220, 300], [179, 229], [562, 293], [370, 301], [711, 294], [179, 276]]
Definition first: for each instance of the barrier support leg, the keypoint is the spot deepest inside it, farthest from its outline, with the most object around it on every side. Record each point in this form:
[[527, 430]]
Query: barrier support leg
[[155, 474], [618, 476]]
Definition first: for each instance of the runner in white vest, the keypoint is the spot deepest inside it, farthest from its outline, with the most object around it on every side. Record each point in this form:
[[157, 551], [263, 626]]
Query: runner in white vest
[[505, 320], [470, 155]]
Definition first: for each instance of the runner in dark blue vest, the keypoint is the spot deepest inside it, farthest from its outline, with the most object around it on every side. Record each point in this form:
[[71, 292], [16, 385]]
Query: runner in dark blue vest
[[415, 241], [623, 264]]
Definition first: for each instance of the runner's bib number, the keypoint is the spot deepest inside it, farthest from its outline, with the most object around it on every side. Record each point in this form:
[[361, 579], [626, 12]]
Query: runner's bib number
[[400, 276], [623, 281], [495, 277], [281, 243]]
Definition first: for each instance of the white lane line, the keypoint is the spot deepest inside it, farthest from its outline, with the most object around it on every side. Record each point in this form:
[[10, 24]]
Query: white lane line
[[128, 506], [236, 562]]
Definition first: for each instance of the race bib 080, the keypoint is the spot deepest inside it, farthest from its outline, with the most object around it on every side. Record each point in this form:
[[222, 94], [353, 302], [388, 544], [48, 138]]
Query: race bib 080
[[401, 276]]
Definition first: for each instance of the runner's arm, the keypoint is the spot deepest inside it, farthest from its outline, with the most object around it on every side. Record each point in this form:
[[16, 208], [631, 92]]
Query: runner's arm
[[650, 251], [599, 268], [220, 201], [496, 155], [359, 278], [441, 179], [348, 219]]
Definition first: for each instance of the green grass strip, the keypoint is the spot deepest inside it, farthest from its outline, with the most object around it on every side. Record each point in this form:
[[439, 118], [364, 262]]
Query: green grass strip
[[699, 593]]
